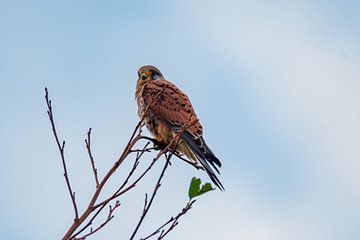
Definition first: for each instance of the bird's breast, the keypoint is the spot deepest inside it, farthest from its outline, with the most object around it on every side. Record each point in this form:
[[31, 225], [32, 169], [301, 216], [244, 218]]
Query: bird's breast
[[155, 126]]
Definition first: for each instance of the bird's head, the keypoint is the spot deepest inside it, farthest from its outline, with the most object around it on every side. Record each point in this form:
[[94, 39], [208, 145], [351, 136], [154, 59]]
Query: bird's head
[[149, 72]]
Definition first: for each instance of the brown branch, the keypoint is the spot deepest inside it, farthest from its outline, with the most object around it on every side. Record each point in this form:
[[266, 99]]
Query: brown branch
[[93, 209], [139, 154], [133, 139], [61, 150], [79, 220], [100, 206], [121, 191], [110, 216], [147, 206], [88, 147], [160, 145], [176, 220], [95, 196], [173, 220]]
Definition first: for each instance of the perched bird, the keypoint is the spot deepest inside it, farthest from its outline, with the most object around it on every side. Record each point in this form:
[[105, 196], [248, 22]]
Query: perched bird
[[167, 111]]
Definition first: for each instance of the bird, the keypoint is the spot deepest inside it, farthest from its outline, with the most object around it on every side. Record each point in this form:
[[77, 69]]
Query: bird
[[167, 112]]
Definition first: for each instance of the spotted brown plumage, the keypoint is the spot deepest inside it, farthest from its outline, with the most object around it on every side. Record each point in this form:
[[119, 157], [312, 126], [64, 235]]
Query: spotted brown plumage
[[167, 112]]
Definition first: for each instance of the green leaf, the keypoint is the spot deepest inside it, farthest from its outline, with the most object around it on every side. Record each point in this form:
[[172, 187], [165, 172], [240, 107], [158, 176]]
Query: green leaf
[[194, 187], [206, 188], [195, 190]]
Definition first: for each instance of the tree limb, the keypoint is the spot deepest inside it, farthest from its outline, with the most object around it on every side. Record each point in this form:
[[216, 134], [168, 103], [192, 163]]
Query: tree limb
[[61, 150], [88, 147]]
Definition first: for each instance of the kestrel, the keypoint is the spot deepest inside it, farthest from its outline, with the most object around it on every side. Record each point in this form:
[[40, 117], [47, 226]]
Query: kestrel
[[167, 111]]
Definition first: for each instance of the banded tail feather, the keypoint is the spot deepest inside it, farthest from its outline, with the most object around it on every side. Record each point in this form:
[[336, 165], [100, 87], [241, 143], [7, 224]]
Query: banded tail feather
[[205, 156]]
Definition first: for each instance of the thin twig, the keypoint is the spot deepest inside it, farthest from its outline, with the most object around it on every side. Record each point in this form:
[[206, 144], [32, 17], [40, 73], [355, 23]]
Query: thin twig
[[176, 220], [172, 220], [93, 206], [132, 141], [172, 145], [147, 205], [160, 145], [61, 150], [121, 192], [90, 208], [136, 163], [102, 205], [88, 147], [110, 216]]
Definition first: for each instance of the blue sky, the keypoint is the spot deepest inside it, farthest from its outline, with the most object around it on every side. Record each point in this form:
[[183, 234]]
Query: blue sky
[[274, 83]]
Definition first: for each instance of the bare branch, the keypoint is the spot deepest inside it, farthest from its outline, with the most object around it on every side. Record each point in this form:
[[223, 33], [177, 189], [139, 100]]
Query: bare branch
[[110, 216], [172, 220], [172, 147], [147, 204], [135, 137], [100, 206], [123, 190], [61, 150], [176, 220], [85, 220], [88, 146], [90, 208]]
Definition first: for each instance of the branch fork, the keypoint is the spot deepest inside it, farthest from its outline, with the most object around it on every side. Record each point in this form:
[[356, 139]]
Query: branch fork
[[81, 228]]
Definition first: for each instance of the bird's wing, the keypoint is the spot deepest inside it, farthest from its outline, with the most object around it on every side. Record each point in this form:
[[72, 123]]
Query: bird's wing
[[172, 106]]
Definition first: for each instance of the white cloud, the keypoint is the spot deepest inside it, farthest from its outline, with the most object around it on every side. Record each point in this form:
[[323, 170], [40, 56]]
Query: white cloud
[[307, 81], [302, 76]]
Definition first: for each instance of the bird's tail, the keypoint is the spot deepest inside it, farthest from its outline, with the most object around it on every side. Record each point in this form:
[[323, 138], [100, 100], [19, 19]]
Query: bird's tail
[[204, 155], [184, 149]]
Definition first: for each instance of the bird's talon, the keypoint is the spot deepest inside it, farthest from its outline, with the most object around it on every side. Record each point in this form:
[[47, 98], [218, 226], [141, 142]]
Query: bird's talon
[[159, 146]]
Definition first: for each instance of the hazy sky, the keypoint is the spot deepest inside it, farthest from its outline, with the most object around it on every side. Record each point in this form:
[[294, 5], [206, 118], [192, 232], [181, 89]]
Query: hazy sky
[[275, 84]]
